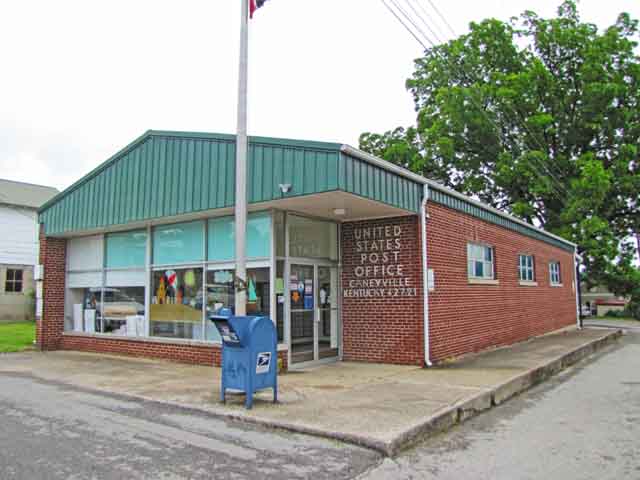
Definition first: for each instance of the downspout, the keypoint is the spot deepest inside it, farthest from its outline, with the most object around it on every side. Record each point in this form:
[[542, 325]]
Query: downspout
[[577, 259], [425, 276]]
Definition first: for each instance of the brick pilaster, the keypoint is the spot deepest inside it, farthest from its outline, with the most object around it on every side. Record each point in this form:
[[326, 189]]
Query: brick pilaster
[[382, 302], [50, 325]]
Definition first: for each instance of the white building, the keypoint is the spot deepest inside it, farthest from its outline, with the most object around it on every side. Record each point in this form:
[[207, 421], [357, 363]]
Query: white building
[[19, 246]]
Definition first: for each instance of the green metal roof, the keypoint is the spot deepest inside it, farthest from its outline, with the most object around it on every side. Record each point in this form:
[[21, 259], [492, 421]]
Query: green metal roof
[[164, 174]]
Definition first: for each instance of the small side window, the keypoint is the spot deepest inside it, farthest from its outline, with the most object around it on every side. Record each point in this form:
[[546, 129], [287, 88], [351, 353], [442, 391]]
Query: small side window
[[13, 282], [554, 273], [526, 270], [480, 263]]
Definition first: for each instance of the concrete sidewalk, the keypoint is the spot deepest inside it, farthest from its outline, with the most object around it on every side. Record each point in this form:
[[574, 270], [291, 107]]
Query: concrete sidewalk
[[383, 407]]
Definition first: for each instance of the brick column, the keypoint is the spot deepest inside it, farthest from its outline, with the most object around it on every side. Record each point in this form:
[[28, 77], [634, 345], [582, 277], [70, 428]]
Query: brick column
[[382, 291], [50, 325]]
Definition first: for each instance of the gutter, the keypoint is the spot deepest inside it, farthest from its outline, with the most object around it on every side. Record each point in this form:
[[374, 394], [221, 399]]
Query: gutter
[[425, 276], [403, 172]]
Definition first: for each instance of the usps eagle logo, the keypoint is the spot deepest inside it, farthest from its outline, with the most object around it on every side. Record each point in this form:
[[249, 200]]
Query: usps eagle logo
[[263, 363]]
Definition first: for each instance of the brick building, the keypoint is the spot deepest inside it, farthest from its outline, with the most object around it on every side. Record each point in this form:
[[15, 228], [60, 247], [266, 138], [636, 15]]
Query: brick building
[[138, 253]]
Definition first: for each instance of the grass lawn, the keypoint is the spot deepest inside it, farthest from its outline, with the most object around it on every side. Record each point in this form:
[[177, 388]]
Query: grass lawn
[[626, 319], [17, 336]]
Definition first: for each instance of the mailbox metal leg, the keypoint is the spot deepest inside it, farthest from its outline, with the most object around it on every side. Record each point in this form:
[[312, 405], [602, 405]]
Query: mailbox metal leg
[[248, 401], [275, 390]]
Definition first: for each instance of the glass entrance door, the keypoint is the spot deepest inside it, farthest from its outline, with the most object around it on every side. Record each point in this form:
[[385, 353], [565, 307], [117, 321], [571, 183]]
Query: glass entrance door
[[327, 311], [301, 298], [313, 302]]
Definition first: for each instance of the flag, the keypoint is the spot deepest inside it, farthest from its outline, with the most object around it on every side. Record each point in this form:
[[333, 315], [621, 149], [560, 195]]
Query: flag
[[254, 5]]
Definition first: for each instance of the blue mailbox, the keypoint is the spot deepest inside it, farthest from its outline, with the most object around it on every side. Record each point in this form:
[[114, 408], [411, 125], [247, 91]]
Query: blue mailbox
[[249, 354]]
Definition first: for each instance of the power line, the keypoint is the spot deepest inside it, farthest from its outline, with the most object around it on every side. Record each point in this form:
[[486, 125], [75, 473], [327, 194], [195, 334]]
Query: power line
[[560, 188], [442, 17], [556, 190], [515, 118], [404, 25]]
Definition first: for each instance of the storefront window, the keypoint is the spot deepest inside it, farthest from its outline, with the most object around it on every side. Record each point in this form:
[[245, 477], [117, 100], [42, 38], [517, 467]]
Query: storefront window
[[220, 293], [84, 307], [221, 237], [178, 243], [312, 238], [85, 253], [176, 304], [123, 310], [126, 249]]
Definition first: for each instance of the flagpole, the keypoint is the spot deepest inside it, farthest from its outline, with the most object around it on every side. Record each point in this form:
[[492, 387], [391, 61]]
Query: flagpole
[[241, 165]]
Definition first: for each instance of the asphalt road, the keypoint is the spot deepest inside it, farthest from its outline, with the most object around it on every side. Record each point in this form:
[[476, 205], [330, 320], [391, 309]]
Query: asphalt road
[[582, 424], [53, 431]]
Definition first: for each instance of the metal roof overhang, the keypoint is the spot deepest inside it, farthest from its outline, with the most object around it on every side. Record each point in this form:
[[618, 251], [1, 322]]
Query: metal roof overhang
[[178, 175]]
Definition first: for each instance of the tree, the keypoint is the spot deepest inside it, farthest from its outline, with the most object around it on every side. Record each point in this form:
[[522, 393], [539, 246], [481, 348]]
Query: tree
[[539, 117]]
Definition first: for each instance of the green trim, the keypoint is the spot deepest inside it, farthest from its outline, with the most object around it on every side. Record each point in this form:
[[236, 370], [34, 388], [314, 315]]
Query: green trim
[[455, 203]]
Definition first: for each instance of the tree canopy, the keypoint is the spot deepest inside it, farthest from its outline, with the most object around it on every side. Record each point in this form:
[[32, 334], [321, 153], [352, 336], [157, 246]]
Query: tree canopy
[[539, 117]]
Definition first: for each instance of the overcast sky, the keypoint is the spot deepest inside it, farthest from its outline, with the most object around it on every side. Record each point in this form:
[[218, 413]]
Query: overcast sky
[[80, 79]]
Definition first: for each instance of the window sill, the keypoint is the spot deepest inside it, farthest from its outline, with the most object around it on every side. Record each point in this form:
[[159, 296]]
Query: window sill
[[556, 285], [525, 283], [483, 281]]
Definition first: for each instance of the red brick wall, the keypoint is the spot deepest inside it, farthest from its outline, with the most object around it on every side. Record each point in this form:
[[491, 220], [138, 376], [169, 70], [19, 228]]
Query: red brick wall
[[466, 318], [193, 354], [387, 329], [50, 326]]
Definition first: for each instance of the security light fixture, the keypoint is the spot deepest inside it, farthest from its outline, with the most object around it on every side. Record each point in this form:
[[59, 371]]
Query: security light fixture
[[285, 187]]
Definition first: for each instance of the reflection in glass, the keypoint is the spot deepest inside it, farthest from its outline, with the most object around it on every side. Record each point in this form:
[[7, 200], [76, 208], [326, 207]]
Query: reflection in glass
[[176, 304], [123, 311], [85, 309], [220, 293], [312, 238]]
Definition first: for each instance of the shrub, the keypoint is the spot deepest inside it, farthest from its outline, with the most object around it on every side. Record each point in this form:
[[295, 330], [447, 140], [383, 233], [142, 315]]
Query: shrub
[[633, 310]]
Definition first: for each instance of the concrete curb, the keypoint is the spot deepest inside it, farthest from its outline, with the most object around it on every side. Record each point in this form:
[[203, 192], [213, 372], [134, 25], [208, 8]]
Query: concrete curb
[[470, 407], [428, 426]]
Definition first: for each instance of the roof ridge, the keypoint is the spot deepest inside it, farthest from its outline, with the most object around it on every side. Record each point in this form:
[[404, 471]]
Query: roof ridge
[[29, 183]]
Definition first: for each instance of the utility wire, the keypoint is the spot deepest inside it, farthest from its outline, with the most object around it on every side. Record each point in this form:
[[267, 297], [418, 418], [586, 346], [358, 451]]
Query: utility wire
[[404, 25], [404, 13], [514, 119], [435, 50], [513, 109]]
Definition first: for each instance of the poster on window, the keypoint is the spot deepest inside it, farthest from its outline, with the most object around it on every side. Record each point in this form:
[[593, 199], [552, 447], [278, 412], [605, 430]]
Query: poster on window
[[308, 302], [296, 299]]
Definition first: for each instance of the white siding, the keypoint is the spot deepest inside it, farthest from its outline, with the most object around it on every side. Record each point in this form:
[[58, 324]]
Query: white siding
[[18, 236]]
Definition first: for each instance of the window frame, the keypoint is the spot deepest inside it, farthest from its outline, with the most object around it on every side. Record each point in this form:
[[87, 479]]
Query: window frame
[[14, 281], [470, 258], [526, 268], [552, 274]]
